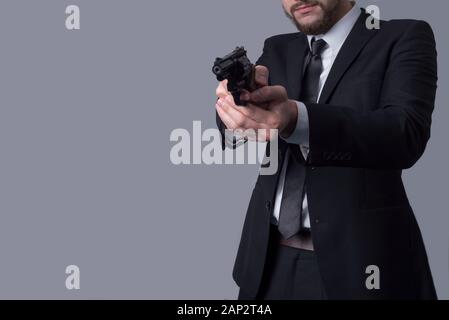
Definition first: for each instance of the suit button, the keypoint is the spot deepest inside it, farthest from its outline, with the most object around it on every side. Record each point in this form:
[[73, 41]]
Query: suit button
[[317, 220], [313, 168], [268, 205]]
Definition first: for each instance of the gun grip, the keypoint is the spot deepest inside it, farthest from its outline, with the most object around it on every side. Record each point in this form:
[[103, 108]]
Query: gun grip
[[236, 96], [249, 85]]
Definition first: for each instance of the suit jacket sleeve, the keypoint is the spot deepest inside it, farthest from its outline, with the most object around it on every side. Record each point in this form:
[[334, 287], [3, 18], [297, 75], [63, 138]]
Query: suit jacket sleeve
[[394, 135]]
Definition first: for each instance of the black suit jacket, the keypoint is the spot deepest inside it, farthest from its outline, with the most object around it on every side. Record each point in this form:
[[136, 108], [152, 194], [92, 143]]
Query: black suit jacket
[[372, 120]]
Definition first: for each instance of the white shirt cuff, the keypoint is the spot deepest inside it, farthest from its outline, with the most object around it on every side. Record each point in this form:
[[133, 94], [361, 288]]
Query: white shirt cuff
[[300, 135]]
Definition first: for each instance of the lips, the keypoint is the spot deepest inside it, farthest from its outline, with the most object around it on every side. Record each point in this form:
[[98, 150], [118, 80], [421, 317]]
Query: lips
[[305, 8]]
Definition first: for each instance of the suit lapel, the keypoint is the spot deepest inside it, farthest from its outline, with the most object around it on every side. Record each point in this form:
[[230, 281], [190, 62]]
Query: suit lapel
[[296, 53], [356, 40]]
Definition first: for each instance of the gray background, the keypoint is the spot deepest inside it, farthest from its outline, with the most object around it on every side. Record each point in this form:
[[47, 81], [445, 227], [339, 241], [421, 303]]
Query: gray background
[[85, 119]]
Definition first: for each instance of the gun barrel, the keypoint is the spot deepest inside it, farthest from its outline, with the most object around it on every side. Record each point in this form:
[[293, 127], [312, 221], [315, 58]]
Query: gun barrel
[[221, 66]]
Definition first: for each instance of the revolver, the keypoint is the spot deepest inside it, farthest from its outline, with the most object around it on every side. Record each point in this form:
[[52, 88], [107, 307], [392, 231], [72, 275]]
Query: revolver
[[238, 69]]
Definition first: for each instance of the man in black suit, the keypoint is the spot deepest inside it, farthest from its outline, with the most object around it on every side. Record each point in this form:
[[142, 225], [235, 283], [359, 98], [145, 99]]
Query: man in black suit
[[353, 107]]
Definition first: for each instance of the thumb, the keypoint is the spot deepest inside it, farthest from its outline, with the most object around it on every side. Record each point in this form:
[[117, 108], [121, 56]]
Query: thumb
[[222, 89]]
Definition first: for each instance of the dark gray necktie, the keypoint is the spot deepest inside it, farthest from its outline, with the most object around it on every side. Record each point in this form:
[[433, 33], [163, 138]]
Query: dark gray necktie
[[293, 193]]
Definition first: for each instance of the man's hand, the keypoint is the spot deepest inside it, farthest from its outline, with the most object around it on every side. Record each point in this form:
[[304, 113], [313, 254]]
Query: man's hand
[[268, 107]]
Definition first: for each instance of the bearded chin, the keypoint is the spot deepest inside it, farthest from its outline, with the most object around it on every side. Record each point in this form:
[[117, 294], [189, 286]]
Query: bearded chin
[[320, 26]]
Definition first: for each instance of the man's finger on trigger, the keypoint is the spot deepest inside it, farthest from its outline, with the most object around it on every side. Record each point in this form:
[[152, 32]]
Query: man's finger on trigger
[[261, 95], [245, 95], [266, 94], [261, 75]]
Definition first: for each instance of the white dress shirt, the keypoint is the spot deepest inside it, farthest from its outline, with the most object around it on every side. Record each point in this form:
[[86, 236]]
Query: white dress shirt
[[334, 38]]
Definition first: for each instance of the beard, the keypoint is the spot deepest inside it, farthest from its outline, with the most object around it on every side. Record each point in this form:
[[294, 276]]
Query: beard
[[323, 24]]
